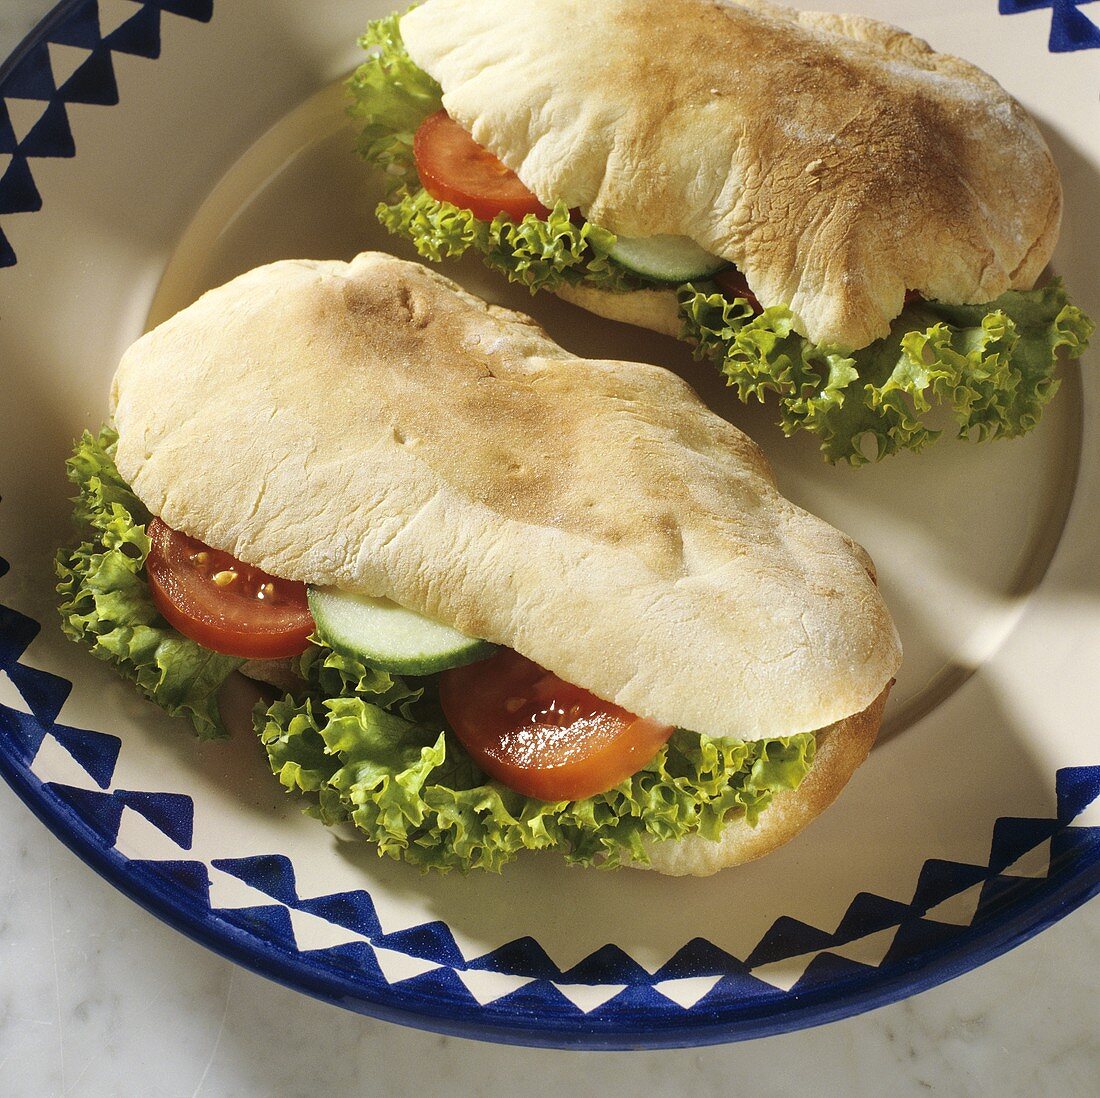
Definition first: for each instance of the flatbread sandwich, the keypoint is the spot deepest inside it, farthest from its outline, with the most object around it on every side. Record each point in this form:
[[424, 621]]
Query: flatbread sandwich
[[513, 598], [842, 218]]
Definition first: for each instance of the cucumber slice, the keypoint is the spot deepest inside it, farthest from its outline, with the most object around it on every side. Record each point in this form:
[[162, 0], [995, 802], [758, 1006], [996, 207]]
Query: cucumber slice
[[666, 258], [389, 637]]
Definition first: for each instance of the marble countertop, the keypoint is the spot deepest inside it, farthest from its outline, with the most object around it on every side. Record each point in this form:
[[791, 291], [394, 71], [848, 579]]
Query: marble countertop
[[99, 998]]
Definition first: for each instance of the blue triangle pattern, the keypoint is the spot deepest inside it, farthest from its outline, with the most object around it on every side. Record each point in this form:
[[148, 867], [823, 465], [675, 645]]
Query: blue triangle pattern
[[608, 965], [18, 194], [867, 914], [50, 136], [1077, 787], [538, 997], [920, 936], [139, 35], [199, 10], [698, 958], [102, 812], [1015, 7], [22, 732], [271, 922], [1072, 30], [16, 632], [635, 999], [939, 880], [741, 986], [191, 876], [520, 957], [80, 27], [94, 82], [96, 752], [32, 77], [787, 937], [432, 941], [171, 813], [439, 985], [271, 874], [354, 910], [1014, 836], [44, 693], [828, 968], [8, 141], [354, 957]]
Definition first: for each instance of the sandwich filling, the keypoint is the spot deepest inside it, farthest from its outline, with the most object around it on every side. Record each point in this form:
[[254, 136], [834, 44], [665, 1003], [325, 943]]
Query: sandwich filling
[[376, 749], [991, 365]]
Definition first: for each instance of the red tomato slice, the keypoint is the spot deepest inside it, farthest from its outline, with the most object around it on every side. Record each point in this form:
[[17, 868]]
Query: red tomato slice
[[540, 735], [732, 283], [454, 168], [222, 603]]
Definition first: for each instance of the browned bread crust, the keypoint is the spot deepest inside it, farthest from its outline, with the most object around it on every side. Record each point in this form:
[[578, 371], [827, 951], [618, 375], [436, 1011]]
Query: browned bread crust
[[841, 749], [371, 426], [839, 162]]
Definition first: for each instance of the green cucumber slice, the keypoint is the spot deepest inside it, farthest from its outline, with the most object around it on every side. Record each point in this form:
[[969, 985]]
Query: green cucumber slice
[[665, 258], [389, 637]]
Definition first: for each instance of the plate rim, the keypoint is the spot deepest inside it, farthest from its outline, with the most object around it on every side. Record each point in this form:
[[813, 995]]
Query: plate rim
[[1023, 919], [973, 946]]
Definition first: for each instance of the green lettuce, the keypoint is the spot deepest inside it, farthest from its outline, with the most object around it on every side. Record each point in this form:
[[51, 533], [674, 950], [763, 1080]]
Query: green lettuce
[[105, 601], [391, 96], [372, 749], [375, 752], [990, 366], [539, 253]]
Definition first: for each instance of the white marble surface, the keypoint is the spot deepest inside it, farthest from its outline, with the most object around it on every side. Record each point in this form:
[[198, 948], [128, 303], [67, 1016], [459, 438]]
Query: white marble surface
[[98, 998]]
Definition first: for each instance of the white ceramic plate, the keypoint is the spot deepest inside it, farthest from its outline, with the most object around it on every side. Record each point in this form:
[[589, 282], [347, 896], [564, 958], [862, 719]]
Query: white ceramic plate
[[210, 138]]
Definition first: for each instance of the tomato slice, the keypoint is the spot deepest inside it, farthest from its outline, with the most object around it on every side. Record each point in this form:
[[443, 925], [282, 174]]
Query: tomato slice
[[732, 283], [454, 168], [541, 736], [222, 603]]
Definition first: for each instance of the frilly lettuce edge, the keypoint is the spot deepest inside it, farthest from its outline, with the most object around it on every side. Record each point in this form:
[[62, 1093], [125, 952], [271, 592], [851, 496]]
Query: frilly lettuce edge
[[374, 753], [105, 603]]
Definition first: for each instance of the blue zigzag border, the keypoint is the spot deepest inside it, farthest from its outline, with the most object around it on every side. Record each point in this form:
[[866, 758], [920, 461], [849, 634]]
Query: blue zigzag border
[[1070, 28], [923, 951], [28, 74]]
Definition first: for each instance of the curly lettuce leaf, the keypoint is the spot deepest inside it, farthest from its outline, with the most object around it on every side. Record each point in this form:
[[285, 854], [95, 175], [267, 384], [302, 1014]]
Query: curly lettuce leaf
[[539, 253], [991, 366], [105, 601], [377, 754], [391, 96]]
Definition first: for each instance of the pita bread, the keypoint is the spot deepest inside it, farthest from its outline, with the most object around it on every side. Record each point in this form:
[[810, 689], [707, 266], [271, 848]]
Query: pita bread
[[373, 427], [837, 161], [841, 750]]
